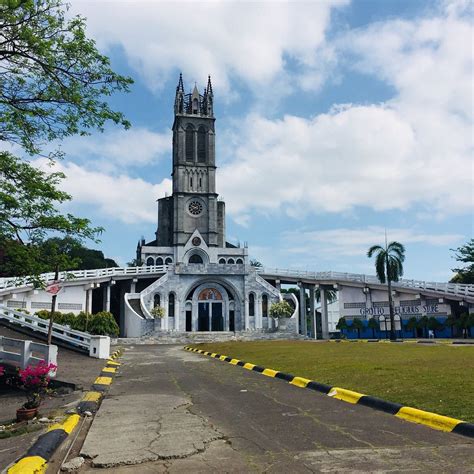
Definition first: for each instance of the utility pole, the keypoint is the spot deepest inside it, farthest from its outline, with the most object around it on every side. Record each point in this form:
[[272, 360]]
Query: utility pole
[[53, 306]]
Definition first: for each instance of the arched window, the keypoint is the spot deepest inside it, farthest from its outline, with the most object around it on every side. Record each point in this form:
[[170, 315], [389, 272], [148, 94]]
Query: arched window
[[239, 261], [156, 300], [264, 306], [159, 261], [168, 261], [201, 145], [171, 305], [150, 261], [231, 261], [189, 139], [195, 106], [251, 304], [222, 261], [191, 183], [196, 258]]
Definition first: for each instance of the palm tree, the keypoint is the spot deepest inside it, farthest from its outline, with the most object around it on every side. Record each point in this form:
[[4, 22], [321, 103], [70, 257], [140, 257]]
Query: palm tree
[[434, 325], [342, 324], [451, 322], [389, 267], [412, 325], [358, 325], [423, 325], [374, 325]]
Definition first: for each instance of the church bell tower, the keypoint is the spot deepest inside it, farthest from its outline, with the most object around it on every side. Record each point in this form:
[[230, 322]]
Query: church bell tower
[[193, 204]]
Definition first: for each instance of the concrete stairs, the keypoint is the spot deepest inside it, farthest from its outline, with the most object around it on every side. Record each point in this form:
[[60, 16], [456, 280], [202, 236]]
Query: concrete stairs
[[175, 337]]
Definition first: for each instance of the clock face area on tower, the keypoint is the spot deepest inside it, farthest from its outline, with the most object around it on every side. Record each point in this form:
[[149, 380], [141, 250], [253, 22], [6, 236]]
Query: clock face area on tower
[[195, 207]]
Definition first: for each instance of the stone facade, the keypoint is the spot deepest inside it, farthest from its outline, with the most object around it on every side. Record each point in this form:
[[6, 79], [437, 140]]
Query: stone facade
[[208, 284]]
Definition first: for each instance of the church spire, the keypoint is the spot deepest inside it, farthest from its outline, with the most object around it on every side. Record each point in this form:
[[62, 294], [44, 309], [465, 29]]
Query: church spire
[[179, 98]]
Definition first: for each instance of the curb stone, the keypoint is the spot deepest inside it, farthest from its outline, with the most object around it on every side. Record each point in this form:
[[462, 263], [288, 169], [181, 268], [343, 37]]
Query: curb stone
[[414, 415], [36, 459]]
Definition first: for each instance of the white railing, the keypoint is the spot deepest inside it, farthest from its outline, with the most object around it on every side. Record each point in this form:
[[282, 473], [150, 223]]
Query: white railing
[[96, 346], [18, 353], [336, 277], [16, 282]]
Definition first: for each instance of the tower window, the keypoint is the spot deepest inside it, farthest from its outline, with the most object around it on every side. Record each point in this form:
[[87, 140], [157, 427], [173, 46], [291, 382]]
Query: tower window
[[195, 106], [201, 145], [191, 182], [200, 183], [189, 146], [171, 305]]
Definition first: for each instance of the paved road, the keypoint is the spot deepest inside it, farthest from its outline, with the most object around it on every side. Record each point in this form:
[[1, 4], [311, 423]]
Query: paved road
[[175, 411]]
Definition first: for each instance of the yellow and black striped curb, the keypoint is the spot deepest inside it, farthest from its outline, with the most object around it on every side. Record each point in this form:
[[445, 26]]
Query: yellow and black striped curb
[[36, 458], [91, 400], [433, 420]]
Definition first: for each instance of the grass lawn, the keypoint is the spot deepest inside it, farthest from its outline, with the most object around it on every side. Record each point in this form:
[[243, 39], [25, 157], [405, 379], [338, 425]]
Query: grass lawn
[[437, 378]]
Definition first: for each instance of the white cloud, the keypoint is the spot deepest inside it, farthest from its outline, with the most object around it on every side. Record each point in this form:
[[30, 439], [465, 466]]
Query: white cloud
[[122, 198], [247, 41], [414, 150], [355, 242], [116, 149]]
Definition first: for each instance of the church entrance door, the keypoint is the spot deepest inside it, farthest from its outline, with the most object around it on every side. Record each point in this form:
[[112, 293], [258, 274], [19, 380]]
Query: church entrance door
[[210, 310]]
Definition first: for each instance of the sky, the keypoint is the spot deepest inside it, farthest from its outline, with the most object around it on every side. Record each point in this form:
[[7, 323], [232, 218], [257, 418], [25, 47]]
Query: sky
[[336, 120]]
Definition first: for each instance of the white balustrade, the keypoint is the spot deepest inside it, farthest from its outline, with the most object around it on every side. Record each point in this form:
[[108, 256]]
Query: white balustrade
[[18, 353]]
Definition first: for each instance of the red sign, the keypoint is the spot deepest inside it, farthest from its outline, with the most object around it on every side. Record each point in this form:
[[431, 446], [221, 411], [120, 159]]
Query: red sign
[[53, 288]]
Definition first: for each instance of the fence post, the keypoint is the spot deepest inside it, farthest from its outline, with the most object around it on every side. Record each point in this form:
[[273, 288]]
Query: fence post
[[25, 354], [52, 355]]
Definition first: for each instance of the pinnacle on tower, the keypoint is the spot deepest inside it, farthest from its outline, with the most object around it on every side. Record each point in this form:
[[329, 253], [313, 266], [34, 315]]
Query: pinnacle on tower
[[180, 87], [209, 85]]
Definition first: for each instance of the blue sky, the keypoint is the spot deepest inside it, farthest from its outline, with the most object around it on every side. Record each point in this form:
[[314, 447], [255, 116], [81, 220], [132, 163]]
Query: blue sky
[[336, 120]]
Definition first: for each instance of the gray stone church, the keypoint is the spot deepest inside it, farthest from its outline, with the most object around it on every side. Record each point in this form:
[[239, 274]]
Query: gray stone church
[[208, 284]]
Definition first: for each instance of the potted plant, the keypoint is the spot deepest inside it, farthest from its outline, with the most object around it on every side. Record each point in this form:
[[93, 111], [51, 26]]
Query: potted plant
[[281, 311], [158, 311], [34, 380]]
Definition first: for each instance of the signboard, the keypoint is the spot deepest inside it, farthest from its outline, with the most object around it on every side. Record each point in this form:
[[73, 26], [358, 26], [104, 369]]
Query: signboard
[[54, 288]]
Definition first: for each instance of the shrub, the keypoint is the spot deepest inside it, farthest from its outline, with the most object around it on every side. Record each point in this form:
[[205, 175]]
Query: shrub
[[103, 323], [81, 321], [282, 309], [158, 312]]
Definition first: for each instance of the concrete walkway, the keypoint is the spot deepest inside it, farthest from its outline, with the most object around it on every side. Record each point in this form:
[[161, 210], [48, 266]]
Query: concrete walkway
[[175, 411]]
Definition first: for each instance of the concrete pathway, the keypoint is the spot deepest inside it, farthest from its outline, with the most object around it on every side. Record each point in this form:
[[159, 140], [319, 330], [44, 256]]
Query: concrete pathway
[[175, 411]]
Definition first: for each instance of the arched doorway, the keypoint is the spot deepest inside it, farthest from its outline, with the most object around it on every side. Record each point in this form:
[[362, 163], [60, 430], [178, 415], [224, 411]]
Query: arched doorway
[[210, 310]]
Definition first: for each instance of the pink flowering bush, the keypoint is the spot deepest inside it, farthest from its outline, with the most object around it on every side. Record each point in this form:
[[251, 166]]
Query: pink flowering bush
[[2, 371], [34, 379]]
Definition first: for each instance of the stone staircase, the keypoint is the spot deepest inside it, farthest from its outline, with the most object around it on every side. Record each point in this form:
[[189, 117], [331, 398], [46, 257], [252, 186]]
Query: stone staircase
[[175, 337]]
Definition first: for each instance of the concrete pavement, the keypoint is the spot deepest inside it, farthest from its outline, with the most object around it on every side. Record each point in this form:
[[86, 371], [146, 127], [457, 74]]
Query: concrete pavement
[[173, 411]]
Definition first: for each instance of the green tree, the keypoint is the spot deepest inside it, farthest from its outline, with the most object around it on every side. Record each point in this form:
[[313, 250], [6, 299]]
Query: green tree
[[29, 201], [465, 323], [342, 325], [434, 325], [357, 325], [389, 267], [464, 254], [451, 322], [423, 325], [54, 82], [373, 324], [412, 325]]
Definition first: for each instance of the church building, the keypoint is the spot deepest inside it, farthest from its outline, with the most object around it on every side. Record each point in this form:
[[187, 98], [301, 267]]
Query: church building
[[208, 284]]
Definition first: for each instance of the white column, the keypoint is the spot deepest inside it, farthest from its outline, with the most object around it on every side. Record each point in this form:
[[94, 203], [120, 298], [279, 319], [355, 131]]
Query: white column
[[246, 313], [303, 328], [165, 319], [89, 301], [258, 311], [209, 312], [314, 332], [324, 314], [107, 297]]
